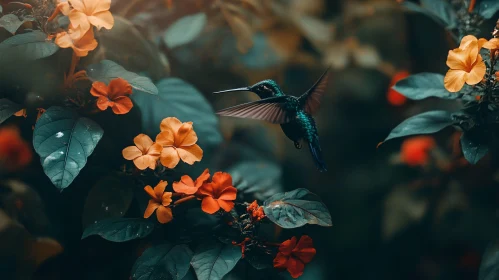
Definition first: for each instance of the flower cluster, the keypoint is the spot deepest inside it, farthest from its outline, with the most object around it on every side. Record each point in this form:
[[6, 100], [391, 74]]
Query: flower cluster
[[175, 142], [255, 211], [215, 194], [293, 256], [83, 15]]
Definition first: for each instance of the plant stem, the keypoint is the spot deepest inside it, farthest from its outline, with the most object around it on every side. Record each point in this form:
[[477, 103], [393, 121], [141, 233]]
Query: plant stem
[[187, 198], [471, 6]]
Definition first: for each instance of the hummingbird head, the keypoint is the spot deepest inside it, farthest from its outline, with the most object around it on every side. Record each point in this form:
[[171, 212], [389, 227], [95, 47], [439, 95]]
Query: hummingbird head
[[264, 89]]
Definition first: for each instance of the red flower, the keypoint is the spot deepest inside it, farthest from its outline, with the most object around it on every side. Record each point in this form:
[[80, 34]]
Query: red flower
[[293, 256], [15, 153], [415, 150], [394, 97]]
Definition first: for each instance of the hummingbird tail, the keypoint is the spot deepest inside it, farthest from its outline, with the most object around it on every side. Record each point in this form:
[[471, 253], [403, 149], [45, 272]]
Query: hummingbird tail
[[315, 149]]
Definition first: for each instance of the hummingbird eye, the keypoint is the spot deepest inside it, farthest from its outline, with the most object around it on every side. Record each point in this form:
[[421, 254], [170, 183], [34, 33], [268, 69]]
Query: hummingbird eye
[[265, 88]]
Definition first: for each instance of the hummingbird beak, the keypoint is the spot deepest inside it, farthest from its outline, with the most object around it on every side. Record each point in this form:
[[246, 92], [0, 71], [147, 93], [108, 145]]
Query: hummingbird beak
[[233, 90]]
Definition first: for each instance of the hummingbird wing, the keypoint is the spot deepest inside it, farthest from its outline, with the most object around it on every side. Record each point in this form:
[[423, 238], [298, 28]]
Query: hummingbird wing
[[268, 109], [311, 100]]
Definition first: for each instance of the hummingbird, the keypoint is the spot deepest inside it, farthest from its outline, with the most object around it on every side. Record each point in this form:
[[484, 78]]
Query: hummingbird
[[294, 114]]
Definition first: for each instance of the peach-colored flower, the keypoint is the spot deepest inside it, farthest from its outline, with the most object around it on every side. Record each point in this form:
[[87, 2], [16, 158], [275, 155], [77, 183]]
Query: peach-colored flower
[[218, 194], [159, 202], [492, 44], [466, 64], [144, 154], [187, 186], [80, 42], [86, 13], [115, 95], [179, 142]]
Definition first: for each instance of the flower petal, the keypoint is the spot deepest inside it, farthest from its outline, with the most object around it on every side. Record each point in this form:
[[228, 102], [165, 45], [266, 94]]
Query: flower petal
[[170, 123], [169, 157], [287, 246], [190, 154], [119, 87], [143, 142], [160, 189], [143, 162], [207, 189], [295, 267], [153, 205], [63, 40], [166, 138], [304, 250], [166, 199], [95, 6], [102, 103], [79, 19], [454, 80], [99, 89], [185, 135], [228, 193], [280, 261], [210, 205], [202, 178], [222, 180], [185, 185], [131, 152], [164, 214], [102, 19], [477, 72], [493, 44], [77, 5], [150, 191], [456, 59], [155, 150], [225, 204], [122, 105]]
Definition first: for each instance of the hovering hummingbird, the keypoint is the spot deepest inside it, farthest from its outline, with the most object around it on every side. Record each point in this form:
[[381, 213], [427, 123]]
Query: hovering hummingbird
[[294, 114]]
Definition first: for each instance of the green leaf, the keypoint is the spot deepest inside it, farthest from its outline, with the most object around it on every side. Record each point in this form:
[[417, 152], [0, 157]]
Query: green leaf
[[64, 141], [487, 8], [424, 85], [11, 23], [474, 145], [184, 30], [120, 229], [107, 70], [425, 123], [213, 260], [489, 268], [27, 46], [262, 179], [7, 109], [297, 208], [413, 7], [163, 262], [179, 99], [443, 10], [109, 198]]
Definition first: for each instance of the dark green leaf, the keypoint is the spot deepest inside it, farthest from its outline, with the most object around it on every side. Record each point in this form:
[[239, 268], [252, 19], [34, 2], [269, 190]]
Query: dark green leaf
[[64, 141], [109, 198], [27, 46], [7, 109], [120, 229], [425, 123], [413, 7], [107, 70], [443, 10], [487, 8], [297, 208], [184, 30], [11, 23], [489, 268], [163, 262], [213, 260], [179, 99], [474, 146], [262, 179], [424, 85]]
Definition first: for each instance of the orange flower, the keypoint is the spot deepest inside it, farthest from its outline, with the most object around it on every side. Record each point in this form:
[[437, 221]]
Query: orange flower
[[188, 186], [218, 194], [415, 150], [144, 154], [255, 211], [293, 256], [159, 202], [86, 13], [466, 64], [115, 95], [21, 113], [394, 97], [15, 153], [80, 42], [179, 142], [492, 44]]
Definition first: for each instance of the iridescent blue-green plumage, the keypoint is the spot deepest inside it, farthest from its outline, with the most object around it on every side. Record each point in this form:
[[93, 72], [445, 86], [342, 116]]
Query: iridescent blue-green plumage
[[294, 114]]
